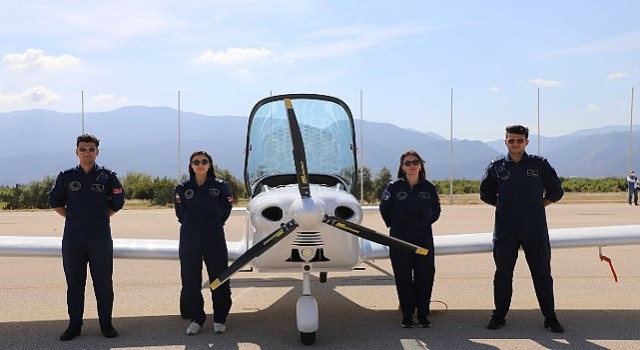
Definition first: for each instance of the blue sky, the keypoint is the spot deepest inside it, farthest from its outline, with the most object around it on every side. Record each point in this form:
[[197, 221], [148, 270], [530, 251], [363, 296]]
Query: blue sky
[[405, 57]]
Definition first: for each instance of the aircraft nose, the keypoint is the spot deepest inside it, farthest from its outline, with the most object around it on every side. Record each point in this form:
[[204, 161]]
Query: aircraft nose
[[308, 212]]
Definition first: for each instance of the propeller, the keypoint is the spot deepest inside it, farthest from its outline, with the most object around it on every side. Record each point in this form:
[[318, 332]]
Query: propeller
[[255, 252], [372, 235], [299, 155]]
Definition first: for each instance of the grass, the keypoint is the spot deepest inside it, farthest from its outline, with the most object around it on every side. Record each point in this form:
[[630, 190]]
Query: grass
[[569, 197], [445, 199]]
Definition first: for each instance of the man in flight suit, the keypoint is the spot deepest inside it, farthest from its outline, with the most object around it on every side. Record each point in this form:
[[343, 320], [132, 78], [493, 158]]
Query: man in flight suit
[[520, 186], [87, 196]]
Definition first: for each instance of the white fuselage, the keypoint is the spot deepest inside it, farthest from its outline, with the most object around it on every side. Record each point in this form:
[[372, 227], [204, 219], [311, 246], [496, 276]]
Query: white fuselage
[[313, 245]]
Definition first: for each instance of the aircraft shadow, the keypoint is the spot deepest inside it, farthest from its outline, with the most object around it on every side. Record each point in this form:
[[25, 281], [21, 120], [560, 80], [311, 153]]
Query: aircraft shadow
[[343, 325]]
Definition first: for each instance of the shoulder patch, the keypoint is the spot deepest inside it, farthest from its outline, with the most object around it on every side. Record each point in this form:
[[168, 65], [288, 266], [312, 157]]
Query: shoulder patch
[[497, 158], [65, 171], [537, 157]]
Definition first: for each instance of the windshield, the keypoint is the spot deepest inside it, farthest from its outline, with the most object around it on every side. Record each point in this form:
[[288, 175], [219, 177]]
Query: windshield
[[327, 131]]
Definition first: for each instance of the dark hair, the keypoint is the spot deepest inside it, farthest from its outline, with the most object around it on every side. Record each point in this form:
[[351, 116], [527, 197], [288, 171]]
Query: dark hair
[[422, 175], [517, 129], [87, 138], [210, 172]]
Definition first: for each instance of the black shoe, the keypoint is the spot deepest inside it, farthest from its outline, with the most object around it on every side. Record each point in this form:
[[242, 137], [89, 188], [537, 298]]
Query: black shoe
[[553, 325], [496, 322], [407, 322], [70, 333], [109, 331], [423, 322]]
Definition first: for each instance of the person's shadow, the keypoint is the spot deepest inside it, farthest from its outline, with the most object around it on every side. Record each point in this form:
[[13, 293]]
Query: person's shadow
[[343, 325]]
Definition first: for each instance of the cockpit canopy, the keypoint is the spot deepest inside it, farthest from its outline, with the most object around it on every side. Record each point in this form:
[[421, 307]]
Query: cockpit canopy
[[328, 135]]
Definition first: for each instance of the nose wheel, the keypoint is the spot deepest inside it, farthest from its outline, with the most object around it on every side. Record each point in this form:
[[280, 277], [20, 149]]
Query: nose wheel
[[307, 312]]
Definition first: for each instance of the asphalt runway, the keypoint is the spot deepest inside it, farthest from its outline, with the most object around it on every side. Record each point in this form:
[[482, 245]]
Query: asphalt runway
[[358, 310]]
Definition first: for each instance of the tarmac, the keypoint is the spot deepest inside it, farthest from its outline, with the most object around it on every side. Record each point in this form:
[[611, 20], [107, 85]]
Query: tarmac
[[358, 310]]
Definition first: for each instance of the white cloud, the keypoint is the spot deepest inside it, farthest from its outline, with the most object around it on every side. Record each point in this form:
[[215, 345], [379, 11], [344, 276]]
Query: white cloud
[[352, 40], [616, 75], [35, 96], [494, 89], [108, 100], [624, 42], [545, 83], [593, 107], [34, 59], [233, 55]]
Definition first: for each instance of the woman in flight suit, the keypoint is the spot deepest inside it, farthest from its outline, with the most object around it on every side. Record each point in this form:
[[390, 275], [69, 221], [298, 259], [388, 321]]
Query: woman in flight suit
[[409, 205], [203, 204]]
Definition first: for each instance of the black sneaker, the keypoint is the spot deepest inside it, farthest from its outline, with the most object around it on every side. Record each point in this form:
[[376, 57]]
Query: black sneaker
[[407, 322], [109, 331], [70, 333], [553, 325], [496, 322], [423, 322]]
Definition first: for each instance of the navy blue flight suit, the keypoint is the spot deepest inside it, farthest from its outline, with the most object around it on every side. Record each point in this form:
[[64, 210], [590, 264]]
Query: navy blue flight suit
[[202, 211], [87, 236], [518, 191], [409, 213]]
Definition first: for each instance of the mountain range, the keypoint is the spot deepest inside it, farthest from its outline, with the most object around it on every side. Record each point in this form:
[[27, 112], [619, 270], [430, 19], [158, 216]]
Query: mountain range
[[38, 143]]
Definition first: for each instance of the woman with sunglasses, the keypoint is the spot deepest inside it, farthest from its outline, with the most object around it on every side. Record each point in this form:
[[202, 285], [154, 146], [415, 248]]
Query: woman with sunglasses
[[203, 204], [409, 206]]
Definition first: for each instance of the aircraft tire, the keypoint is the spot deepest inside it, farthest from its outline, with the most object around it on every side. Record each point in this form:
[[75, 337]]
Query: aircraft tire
[[308, 338]]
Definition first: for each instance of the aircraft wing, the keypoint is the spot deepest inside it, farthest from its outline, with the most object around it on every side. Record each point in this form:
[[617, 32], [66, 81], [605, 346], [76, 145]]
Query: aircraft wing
[[482, 242], [444, 245], [122, 247]]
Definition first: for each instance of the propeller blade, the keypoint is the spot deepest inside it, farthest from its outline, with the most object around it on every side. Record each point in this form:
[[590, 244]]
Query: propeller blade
[[255, 251], [372, 235], [299, 156]]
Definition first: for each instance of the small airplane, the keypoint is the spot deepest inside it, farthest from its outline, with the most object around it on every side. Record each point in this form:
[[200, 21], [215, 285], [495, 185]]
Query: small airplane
[[300, 167]]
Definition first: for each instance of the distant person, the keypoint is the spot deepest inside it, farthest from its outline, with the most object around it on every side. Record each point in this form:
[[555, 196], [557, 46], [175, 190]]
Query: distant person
[[409, 206], [203, 204], [520, 186], [87, 196], [632, 186]]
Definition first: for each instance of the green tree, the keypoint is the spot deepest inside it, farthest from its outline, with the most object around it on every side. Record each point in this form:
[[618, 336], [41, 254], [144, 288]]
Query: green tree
[[236, 186], [138, 185], [32, 196], [163, 190], [380, 182], [367, 186]]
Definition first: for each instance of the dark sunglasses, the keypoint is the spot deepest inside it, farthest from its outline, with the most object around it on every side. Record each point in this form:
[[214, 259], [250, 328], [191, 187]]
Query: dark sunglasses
[[411, 162], [198, 162], [85, 149], [512, 141]]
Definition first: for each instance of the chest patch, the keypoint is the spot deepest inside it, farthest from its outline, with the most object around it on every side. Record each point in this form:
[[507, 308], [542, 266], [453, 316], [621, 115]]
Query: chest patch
[[423, 195], [97, 188], [502, 172], [214, 192], [75, 186], [188, 194], [532, 172], [402, 195]]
